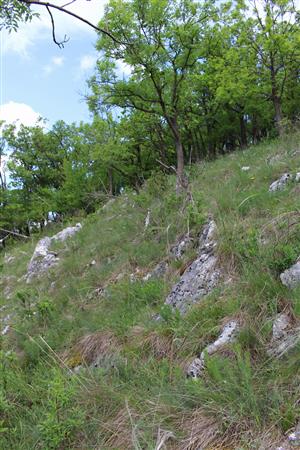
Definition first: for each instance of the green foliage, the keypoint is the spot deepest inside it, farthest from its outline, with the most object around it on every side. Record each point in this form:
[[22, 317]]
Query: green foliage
[[12, 12], [283, 256], [60, 417]]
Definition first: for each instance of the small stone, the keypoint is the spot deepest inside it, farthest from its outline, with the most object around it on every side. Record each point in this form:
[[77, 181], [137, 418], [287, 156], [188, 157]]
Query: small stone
[[294, 439], [5, 330], [147, 220], [245, 168]]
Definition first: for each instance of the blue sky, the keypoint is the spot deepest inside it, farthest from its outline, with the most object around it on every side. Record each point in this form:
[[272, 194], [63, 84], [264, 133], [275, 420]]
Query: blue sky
[[37, 78]]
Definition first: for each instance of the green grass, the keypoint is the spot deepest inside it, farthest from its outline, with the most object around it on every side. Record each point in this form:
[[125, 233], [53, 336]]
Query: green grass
[[143, 389]]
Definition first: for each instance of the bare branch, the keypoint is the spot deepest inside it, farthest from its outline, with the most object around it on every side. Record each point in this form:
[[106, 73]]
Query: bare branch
[[70, 13], [61, 43], [69, 3]]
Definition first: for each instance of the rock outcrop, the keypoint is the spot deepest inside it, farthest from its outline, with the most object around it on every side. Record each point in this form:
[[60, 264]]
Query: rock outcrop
[[285, 336], [158, 271], [291, 277], [43, 258], [281, 183], [228, 335], [201, 277], [183, 244]]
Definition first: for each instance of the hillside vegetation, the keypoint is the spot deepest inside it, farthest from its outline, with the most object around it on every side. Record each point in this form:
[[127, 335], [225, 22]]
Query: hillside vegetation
[[95, 305]]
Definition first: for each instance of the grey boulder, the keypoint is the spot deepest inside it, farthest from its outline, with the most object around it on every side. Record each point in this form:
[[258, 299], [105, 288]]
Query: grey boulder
[[43, 258], [291, 277], [201, 277]]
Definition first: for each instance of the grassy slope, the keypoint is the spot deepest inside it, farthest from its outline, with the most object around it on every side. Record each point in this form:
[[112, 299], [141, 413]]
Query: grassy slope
[[246, 400]]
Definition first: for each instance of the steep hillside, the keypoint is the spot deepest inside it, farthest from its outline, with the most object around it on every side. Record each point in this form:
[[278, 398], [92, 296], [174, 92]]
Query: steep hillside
[[93, 357]]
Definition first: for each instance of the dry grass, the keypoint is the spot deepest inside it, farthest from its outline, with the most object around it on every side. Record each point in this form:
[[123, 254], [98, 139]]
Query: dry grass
[[202, 433], [157, 345], [92, 349], [281, 228], [121, 431]]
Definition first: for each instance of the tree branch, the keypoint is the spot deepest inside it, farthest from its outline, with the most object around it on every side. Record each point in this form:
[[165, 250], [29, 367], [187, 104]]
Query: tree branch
[[61, 43], [70, 13]]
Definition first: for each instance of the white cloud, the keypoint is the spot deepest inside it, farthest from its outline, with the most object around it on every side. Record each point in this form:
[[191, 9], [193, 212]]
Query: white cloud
[[17, 113], [40, 28], [56, 61], [87, 62]]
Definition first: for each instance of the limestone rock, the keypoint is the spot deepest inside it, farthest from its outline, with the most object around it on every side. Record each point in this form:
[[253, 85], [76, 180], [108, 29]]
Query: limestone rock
[[158, 271], [43, 258], [291, 277], [280, 184], [284, 337], [287, 342], [227, 336], [5, 322], [66, 233], [200, 277], [280, 326], [286, 178], [184, 243]]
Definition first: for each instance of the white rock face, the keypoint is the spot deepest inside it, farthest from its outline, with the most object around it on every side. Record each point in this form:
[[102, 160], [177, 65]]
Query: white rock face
[[227, 336], [201, 277], [285, 337], [43, 258], [280, 326], [66, 233], [280, 184], [283, 345], [291, 277], [286, 178]]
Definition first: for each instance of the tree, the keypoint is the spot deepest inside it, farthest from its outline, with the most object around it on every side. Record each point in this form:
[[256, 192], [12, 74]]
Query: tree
[[274, 36], [161, 42]]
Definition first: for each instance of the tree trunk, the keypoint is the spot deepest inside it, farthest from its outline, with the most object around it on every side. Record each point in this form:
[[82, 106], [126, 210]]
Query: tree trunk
[[278, 115], [243, 132], [110, 181], [276, 99], [181, 181]]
